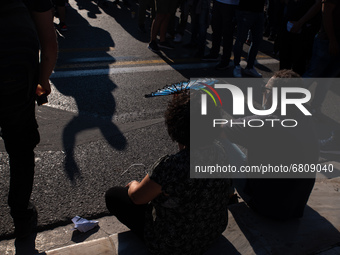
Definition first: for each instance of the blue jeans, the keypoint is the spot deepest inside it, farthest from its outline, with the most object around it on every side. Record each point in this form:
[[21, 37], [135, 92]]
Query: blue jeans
[[246, 21], [322, 65]]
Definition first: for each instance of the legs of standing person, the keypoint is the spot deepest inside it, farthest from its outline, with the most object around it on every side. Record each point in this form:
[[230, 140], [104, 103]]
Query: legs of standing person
[[257, 33], [161, 21], [228, 32], [243, 26], [141, 14], [273, 17], [20, 134], [194, 23], [172, 20], [120, 205], [203, 22], [223, 27], [217, 27], [184, 8], [244, 23]]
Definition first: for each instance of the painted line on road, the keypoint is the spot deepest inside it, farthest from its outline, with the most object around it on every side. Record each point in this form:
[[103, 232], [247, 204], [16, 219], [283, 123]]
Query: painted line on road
[[96, 62], [87, 49], [148, 68]]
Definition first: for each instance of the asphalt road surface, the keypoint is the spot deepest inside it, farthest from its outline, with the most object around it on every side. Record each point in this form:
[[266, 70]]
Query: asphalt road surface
[[98, 129]]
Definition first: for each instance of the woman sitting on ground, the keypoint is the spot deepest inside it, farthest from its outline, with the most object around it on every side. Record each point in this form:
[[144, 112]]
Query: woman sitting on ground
[[171, 212]]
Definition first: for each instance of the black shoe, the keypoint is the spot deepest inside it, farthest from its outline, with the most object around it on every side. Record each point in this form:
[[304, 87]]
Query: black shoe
[[211, 57], [222, 65], [165, 45], [153, 46]]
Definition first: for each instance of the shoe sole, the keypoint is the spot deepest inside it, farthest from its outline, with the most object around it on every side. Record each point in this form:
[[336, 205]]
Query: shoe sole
[[153, 50], [165, 47]]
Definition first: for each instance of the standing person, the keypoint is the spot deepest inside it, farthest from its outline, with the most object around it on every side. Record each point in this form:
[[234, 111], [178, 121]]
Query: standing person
[[326, 52], [183, 20], [143, 5], [222, 24], [200, 23], [250, 16], [164, 8], [300, 24], [185, 215], [20, 74]]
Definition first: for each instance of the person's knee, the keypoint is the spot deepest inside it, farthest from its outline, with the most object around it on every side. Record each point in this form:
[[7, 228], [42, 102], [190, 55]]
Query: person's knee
[[113, 196], [18, 141]]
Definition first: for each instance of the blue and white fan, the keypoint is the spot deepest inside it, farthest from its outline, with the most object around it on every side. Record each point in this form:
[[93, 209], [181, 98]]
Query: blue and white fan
[[177, 88]]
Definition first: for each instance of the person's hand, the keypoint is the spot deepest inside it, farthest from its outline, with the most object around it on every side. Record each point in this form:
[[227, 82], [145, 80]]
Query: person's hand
[[132, 183], [333, 48], [46, 87], [296, 28]]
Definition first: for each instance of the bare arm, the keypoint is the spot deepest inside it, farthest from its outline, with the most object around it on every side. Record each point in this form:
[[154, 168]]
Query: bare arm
[[144, 191], [49, 46]]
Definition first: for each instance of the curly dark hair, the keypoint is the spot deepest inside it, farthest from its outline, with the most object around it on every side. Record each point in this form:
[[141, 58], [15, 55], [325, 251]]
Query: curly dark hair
[[184, 110], [177, 118], [286, 73]]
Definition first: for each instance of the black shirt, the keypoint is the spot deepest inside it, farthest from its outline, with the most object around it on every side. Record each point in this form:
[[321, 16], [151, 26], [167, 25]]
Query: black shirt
[[38, 5]]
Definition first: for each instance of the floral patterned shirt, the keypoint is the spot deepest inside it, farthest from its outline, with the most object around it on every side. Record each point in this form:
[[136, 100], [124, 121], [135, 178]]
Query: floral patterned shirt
[[190, 214]]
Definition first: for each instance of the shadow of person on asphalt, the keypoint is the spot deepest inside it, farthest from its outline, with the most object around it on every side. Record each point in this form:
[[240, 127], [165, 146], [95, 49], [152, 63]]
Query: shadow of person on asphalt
[[92, 95], [125, 14]]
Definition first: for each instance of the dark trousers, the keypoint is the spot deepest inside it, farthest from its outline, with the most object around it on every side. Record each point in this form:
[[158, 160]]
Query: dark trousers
[[223, 27], [200, 22], [131, 215], [246, 21], [19, 131], [143, 5], [296, 49]]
